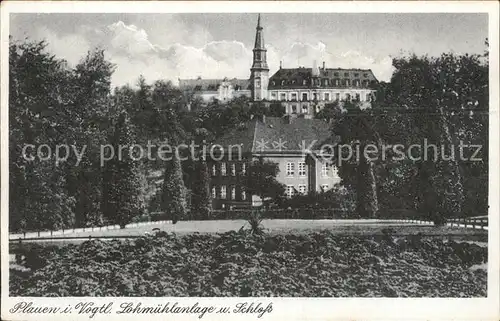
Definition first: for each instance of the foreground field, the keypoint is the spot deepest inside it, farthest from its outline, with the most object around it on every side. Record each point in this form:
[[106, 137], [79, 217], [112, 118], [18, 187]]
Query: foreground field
[[240, 264]]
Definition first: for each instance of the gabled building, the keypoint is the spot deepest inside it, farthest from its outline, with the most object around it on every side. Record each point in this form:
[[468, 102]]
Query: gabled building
[[300, 90], [294, 143], [219, 89]]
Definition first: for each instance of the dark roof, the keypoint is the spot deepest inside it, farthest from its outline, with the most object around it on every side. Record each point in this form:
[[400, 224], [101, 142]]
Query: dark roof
[[295, 135], [212, 84], [242, 135], [294, 78]]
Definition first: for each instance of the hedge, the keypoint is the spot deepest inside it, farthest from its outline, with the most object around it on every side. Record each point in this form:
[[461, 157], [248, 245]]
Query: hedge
[[304, 213], [297, 213]]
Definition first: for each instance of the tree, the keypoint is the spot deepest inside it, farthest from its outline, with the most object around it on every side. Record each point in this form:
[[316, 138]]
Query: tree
[[443, 100], [276, 109], [218, 118], [142, 111], [91, 123], [123, 198], [328, 112], [357, 128], [173, 195], [40, 100], [261, 180], [258, 109], [201, 202]]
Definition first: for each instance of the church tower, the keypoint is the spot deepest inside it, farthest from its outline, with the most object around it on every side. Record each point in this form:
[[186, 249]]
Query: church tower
[[260, 71]]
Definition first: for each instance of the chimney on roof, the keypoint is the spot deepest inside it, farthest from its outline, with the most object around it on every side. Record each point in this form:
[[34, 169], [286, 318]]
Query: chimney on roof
[[324, 65], [281, 64], [315, 69]]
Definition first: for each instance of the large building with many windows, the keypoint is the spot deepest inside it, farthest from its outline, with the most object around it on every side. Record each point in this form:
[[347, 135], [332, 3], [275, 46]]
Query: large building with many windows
[[300, 90], [294, 143]]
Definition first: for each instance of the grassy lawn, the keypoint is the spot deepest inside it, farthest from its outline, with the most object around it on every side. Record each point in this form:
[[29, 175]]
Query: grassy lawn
[[340, 227]]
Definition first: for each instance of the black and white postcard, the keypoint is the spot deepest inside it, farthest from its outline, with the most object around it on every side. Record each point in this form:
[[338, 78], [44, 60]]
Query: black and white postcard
[[250, 160]]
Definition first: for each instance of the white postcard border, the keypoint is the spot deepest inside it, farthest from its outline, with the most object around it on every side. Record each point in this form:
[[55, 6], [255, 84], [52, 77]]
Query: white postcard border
[[283, 308]]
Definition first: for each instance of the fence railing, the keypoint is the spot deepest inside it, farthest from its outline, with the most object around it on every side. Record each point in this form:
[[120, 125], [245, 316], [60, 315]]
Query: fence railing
[[478, 222], [39, 234]]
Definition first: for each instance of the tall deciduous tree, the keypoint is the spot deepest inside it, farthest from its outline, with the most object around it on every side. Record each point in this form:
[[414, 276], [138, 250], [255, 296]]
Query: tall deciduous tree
[[40, 113], [443, 100], [358, 128], [92, 86]]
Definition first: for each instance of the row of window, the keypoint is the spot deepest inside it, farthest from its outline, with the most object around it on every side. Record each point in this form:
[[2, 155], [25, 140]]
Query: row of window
[[293, 109], [232, 169], [305, 109], [291, 190], [224, 191], [212, 87], [229, 192], [322, 82], [283, 96], [290, 169]]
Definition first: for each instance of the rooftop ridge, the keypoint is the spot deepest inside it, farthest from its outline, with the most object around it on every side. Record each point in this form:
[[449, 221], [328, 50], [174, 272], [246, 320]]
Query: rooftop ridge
[[338, 68], [277, 129]]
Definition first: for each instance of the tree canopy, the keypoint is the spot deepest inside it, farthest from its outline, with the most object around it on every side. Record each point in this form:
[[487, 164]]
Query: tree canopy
[[440, 100]]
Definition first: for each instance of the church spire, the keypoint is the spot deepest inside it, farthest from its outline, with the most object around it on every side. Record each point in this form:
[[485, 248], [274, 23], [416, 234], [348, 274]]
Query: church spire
[[260, 70], [259, 36], [259, 50]]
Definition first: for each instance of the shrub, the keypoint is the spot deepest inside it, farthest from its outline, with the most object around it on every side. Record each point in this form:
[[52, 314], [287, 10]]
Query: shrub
[[142, 218], [173, 198], [159, 216], [439, 219], [291, 213], [244, 264], [201, 202], [306, 213], [255, 222], [338, 197]]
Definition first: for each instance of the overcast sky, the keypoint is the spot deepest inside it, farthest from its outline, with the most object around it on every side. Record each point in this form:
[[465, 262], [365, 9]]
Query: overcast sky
[[169, 46]]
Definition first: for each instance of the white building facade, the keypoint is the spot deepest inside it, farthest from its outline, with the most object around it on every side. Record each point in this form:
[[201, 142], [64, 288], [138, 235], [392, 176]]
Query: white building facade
[[300, 90]]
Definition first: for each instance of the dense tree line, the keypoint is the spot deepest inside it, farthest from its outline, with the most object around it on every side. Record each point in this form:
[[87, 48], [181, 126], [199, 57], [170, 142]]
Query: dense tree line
[[51, 104], [54, 104], [441, 102], [444, 100]]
